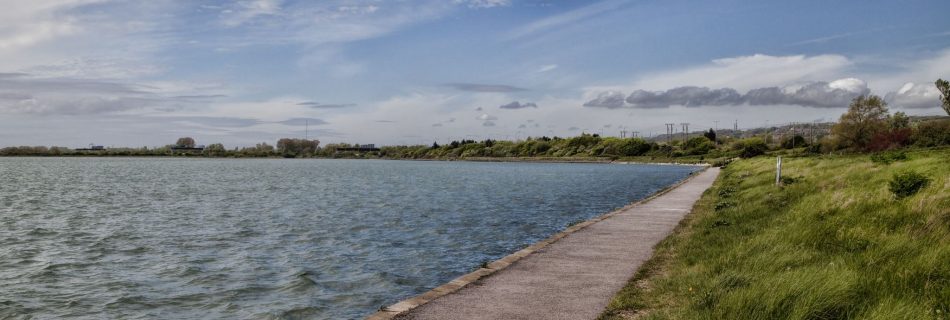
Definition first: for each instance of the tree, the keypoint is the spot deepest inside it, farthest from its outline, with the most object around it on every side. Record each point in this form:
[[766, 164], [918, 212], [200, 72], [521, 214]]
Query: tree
[[215, 150], [294, 147], [698, 145], [866, 117], [793, 142], [900, 120], [185, 142], [435, 145], [944, 87], [711, 135]]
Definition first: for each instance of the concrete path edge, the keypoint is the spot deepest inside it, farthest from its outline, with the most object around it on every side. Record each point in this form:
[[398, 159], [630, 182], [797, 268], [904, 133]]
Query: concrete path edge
[[398, 308]]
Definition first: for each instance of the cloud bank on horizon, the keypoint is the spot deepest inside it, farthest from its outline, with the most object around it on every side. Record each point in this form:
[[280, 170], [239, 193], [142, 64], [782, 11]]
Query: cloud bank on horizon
[[242, 72]]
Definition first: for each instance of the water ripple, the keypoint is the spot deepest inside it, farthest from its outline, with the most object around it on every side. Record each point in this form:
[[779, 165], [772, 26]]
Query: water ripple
[[276, 239]]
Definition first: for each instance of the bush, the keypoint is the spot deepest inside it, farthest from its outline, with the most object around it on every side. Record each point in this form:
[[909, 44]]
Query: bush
[[888, 157], [698, 146], [932, 133], [908, 183], [751, 147], [793, 142]]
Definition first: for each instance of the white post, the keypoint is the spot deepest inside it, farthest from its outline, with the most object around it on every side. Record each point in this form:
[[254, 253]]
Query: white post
[[778, 171]]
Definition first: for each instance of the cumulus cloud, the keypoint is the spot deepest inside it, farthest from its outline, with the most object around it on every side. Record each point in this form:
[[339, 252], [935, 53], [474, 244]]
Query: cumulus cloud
[[684, 96], [913, 95], [477, 87], [488, 124], [820, 94], [607, 99], [836, 94], [518, 105]]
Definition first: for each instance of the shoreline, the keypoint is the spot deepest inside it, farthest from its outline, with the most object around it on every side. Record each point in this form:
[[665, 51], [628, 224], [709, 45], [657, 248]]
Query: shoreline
[[479, 159], [405, 305]]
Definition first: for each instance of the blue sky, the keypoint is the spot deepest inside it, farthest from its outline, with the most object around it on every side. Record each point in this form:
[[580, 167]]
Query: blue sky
[[123, 73]]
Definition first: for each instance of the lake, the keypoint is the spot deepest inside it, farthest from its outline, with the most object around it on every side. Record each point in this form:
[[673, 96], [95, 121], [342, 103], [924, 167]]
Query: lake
[[154, 238]]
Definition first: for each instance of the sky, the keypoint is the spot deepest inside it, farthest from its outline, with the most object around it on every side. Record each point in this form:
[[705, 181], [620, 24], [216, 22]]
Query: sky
[[143, 73]]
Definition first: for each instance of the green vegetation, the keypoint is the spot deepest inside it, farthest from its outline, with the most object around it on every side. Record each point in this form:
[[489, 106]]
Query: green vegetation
[[833, 242], [906, 184], [944, 87], [889, 157]]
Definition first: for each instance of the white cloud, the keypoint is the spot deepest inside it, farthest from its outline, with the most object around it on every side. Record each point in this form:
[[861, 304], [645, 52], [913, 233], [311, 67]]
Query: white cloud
[[914, 95], [245, 11], [547, 67], [564, 19], [484, 3], [741, 73]]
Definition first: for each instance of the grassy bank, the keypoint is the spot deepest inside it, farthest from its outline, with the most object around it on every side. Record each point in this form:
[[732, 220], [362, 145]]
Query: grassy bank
[[832, 243]]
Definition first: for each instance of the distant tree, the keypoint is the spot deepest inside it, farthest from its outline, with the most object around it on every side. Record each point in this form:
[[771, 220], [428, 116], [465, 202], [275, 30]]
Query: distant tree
[[944, 87], [751, 147], [185, 142], [866, 117], [297, 147], [698, 145], [263, 146], [711, 135], [435, 145], [215, 150], [932, 133], [900, 120], [793, 142]]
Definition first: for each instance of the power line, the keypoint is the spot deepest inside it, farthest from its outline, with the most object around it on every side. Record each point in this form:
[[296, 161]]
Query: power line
[[685, 131], [669, 133]]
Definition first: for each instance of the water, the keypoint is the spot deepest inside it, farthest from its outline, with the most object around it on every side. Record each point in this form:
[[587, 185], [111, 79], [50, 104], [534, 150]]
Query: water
[[142, 238]]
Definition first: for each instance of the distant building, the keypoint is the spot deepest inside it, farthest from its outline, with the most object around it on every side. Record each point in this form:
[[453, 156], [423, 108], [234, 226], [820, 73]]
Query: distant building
[[189, 149], [360, 148], [92, 148]]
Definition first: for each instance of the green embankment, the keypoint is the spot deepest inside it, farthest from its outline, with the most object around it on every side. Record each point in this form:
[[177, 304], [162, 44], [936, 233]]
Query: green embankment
[[832, 243]]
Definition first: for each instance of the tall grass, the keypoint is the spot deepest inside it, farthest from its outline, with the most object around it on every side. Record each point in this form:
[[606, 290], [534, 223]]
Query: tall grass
[[833, 243]]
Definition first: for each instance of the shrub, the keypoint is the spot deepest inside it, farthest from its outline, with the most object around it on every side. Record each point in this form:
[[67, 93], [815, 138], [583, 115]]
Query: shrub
[[888, 157], [932, 133], [698, 146], [908, 183], [889, 139], [751, 147], [793, 142]]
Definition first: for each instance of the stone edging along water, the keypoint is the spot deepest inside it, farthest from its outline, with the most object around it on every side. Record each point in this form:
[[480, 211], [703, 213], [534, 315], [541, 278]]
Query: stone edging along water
[[456, 284]]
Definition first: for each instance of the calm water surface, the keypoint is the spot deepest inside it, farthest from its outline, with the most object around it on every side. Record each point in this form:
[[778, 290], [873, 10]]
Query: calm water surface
[[286, 239]]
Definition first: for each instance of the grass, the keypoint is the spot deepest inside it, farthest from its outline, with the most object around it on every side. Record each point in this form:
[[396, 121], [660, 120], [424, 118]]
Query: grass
[[832, 243]]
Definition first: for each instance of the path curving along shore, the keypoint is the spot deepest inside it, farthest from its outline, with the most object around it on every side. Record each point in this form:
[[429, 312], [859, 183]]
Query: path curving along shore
[[573, 275]]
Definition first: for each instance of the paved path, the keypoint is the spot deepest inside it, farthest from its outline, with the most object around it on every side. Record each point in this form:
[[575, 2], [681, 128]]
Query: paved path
[[575, 277]]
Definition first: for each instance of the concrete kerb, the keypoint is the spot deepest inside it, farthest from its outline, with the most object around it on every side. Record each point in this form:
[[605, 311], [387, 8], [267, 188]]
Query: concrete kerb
[[456, 284]]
